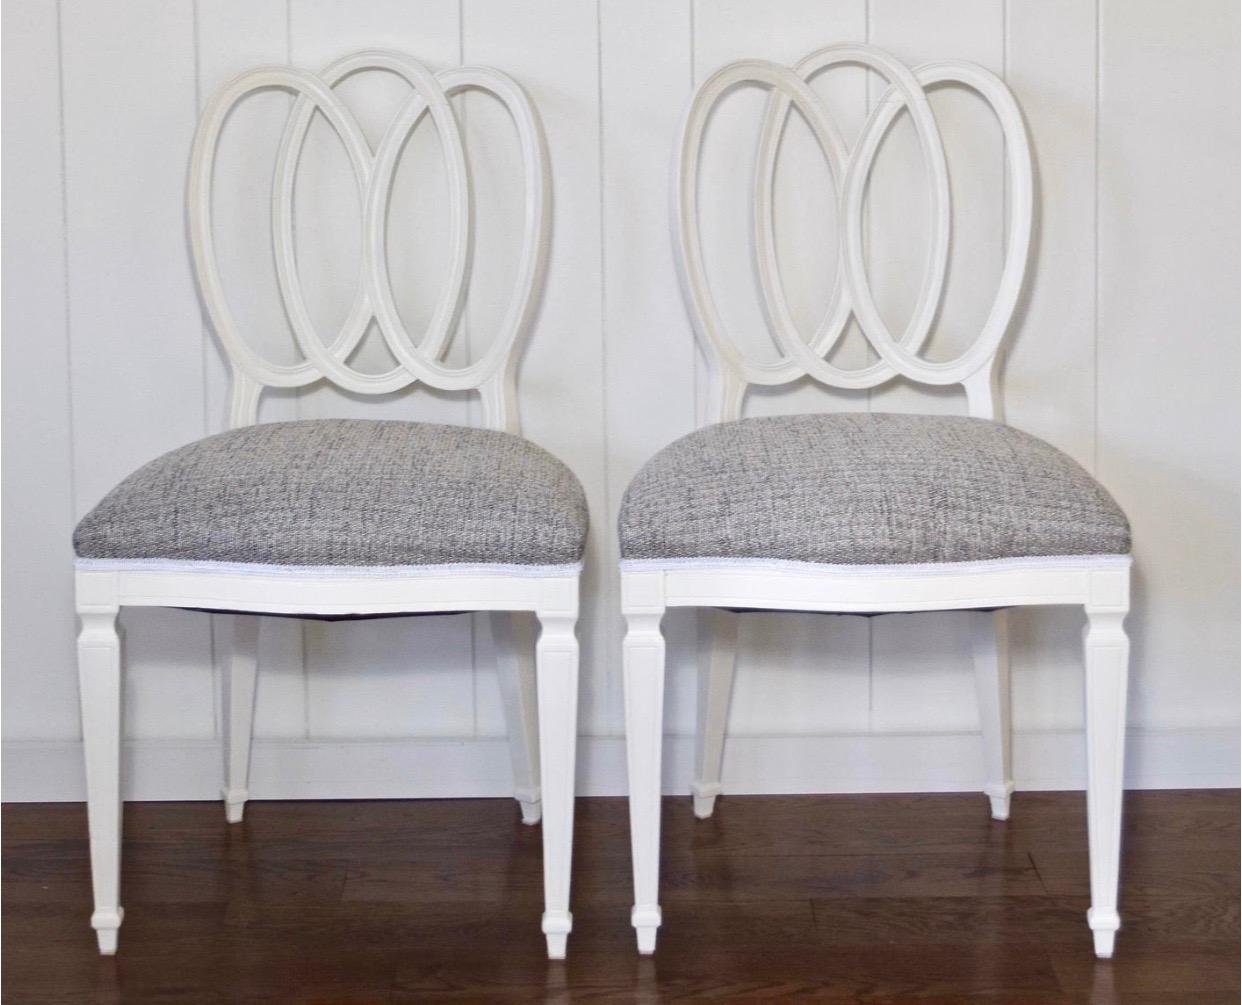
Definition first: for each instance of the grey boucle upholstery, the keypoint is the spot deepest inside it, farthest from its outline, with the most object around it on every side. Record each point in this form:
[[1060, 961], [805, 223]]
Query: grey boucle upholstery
[[345, 492], [866, 489]]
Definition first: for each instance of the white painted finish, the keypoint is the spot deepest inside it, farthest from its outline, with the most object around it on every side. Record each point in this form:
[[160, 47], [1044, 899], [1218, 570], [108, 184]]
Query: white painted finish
[[850, 169], [514, 644], [1108, 665], [717, 666], [1101, 583], [551, 591], [99, 682], [643, 669], [557, 657], [990, 646], [241, 678], [419, 359], [386, 709]]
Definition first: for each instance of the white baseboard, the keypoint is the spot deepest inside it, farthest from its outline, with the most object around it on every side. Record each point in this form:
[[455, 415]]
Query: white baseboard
[[422, 769]]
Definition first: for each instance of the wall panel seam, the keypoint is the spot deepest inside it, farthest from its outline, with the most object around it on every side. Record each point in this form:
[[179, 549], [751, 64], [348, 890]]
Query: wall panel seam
[[66, 312], [1095, 251]]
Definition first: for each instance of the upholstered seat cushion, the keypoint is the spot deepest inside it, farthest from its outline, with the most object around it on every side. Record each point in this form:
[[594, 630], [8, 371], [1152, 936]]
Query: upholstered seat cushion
[[345, 492], [866, 489]]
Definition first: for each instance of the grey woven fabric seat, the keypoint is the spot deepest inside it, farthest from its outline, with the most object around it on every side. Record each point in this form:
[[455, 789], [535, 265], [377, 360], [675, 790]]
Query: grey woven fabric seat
[[345, 492], [866, 489]]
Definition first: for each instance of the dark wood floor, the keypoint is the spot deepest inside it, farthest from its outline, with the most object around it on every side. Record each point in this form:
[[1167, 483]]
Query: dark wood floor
[[842, 898]]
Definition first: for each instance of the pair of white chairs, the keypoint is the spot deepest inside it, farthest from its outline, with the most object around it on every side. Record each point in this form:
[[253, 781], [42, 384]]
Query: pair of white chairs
[[833, 513]]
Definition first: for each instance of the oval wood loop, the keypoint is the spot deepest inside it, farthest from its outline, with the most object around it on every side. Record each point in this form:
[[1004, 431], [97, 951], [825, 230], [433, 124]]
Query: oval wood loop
[[417, 359], [850, 169]]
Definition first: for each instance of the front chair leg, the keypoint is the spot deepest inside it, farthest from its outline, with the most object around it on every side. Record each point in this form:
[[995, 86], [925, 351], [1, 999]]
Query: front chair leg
[[1107, 653], [990, 643], [99, 684], [514, 643], [556, 657], [240, 679], [643, 679]]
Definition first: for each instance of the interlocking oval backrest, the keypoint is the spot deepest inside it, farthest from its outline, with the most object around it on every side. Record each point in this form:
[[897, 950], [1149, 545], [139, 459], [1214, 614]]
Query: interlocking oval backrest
[[850, 169], [492, 373]]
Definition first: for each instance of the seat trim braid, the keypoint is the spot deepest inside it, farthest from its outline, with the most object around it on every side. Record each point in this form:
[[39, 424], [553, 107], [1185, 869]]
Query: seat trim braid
[[776, 565], [327, 572]]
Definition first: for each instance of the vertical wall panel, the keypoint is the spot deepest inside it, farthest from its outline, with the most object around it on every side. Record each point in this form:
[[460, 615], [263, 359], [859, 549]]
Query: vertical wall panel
[[232, 37], [40, 693], [921, 668], [809, 672], [1048, 376], [645, 51], [136, 336], [1168, 343], [552, 49], [405, 676]]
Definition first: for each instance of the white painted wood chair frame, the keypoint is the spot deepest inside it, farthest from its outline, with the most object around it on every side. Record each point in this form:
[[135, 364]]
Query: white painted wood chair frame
[[1100, 584], [539, 681]]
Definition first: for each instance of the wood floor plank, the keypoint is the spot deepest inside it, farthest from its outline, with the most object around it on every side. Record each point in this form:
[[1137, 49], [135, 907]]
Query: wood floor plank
[[831, 898]]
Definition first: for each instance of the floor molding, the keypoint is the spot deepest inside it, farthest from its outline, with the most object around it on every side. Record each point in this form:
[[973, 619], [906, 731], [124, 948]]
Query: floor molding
[[436, 768]]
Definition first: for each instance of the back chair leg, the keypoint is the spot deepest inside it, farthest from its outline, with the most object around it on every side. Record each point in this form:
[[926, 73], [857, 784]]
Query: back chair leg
[[513, 638], [643, 678], [1107, 656], [990, 643], [99, 683], [717, 660], [240, 682], [556, 657]]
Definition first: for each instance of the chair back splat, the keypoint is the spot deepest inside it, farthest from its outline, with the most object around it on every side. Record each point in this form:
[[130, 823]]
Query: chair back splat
[[975, 368], [492, 374]]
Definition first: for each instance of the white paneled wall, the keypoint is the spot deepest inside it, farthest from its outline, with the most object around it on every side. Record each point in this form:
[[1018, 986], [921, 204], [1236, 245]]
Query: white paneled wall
[[1124, 354]]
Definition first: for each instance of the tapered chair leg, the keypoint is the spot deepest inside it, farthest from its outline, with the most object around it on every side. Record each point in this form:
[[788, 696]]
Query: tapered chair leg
[[99, 683], [990, 643], [1107, 657], [240, 680], [643, 679], [717, 660], [514, 642], [556, 658]]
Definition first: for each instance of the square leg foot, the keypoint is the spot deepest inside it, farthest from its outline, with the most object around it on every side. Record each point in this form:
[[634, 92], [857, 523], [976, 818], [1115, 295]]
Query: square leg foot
[[704, 798], [107, 925], [1104, 944], [556, 926], [557, 943], [646, 921], [999, 796], [235, 804], [532, 811], [1104, 927]]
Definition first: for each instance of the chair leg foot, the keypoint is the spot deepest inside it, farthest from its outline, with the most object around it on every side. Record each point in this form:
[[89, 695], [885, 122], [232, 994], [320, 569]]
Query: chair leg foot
[[1104, 932], [704, 798], [557, 943], [999, 796], [646, 922], [556, 928], [107, 925], [234, 804], [532, 811]]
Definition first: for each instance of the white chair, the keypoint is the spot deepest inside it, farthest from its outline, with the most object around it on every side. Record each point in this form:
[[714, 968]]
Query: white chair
[[335, 518], [864, 513]]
